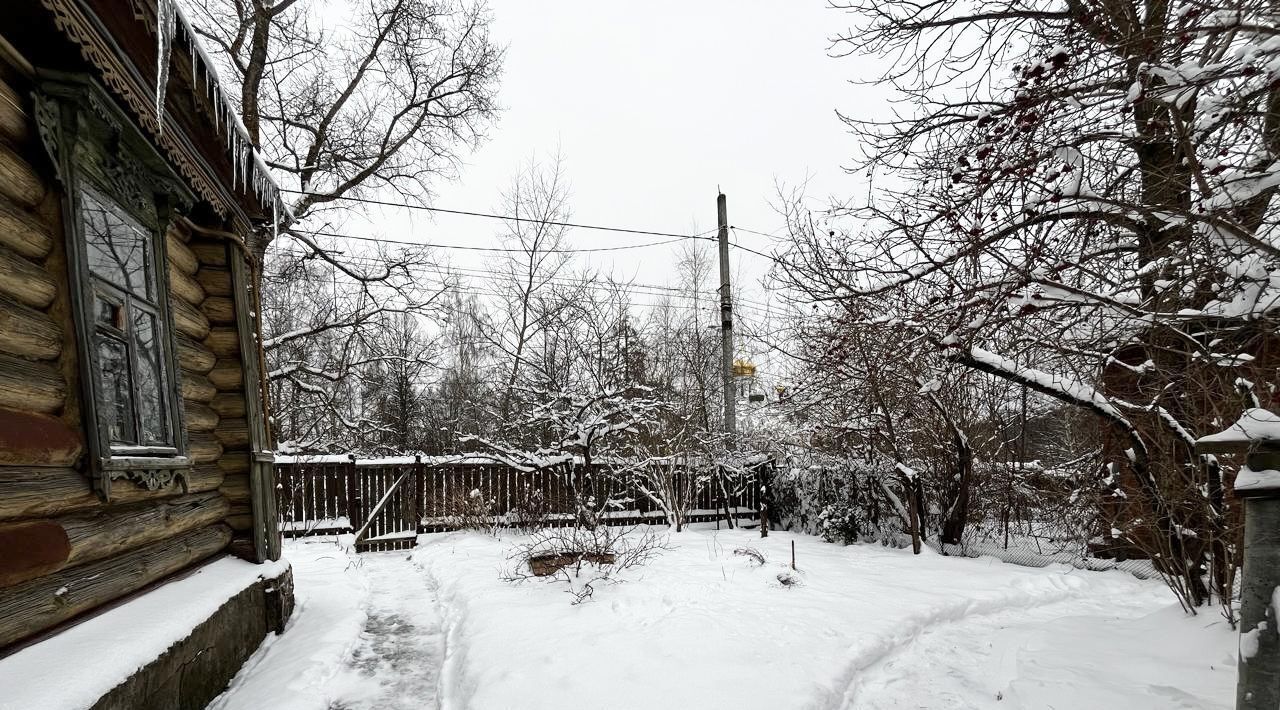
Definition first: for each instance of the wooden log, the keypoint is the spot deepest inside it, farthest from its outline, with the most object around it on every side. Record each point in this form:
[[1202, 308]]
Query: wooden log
[[215, 281], [36, 605], [15, 123], [30, 386], [24, 232], [240, 517], [196, 388], [234, 462], [25, 281], [18, 180], [220, 310], [185, 287], [29, 492], [236, 488], [232, 433], [229, 404], [199, 417], [205, 477], [202, 447], [109, 532], [242, 546], [31, 439], [189, 320], [27, 332], [209, 253], [223, 341], [194, 357], [180, 255], [227, 376], [45, 546], [33, 548]]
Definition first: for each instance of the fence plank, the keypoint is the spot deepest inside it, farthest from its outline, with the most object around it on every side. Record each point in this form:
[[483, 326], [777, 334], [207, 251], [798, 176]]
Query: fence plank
[[312, 492]]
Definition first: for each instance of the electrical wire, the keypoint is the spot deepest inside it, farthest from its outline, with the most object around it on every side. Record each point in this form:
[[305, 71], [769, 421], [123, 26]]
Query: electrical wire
[[509, 218], [462, 247], [712, 295]]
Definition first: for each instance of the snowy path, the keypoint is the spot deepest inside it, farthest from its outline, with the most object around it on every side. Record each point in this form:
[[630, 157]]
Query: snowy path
[[402, 645], [366, 635], [1061, 654]]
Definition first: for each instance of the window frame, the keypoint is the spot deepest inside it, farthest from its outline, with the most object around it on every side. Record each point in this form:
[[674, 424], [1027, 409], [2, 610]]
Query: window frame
[[96, 147], [99, 288]]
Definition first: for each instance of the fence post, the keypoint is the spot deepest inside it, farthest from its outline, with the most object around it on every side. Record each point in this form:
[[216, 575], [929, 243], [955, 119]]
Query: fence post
[[762, 488], [416, 495], [1259, 674], [1258, 484], [354, 509]]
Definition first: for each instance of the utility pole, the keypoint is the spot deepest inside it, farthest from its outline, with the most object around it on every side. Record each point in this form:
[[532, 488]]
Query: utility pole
[[726, 323], [726, 349]]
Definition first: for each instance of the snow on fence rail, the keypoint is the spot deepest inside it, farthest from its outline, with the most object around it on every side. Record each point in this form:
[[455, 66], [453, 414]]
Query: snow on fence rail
[[326, 495]]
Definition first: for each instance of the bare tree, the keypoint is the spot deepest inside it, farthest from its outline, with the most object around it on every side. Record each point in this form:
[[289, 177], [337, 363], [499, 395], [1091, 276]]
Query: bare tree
[[327, 321], [374, 95], [531, 290], [1085, 210]]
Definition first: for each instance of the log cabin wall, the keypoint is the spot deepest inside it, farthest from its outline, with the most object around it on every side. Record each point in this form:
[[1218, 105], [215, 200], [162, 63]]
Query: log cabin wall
[[63, 550]]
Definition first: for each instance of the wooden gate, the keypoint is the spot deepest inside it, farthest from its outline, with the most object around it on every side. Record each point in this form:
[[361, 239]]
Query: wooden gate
[[378, 503], [392, 522]]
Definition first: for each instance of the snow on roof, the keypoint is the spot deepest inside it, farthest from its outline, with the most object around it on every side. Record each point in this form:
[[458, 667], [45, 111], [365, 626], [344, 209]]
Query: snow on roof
[[248, 168], [1249, 480], [475, 459], [1256, 425]]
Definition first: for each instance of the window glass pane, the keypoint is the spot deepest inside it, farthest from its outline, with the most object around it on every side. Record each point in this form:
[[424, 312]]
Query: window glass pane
[[108, 311], [115, 408], [118, 247], [149, 380]]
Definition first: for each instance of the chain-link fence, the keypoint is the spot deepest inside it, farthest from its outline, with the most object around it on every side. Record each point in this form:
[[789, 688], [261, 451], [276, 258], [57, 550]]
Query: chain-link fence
[[1034, 543]]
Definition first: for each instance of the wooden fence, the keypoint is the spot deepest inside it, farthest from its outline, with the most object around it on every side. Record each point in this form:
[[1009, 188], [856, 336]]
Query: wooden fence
[[326, 496]]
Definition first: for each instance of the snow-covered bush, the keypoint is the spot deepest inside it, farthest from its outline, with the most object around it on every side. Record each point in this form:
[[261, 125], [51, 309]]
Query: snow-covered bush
[[584, 557], [471, 511], [533, 509], [845, 502]]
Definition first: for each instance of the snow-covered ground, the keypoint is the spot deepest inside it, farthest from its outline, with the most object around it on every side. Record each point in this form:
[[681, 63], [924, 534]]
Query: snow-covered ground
[[868, 627]]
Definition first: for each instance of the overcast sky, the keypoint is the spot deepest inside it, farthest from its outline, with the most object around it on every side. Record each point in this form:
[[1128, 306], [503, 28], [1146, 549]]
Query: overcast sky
[[653, 106]]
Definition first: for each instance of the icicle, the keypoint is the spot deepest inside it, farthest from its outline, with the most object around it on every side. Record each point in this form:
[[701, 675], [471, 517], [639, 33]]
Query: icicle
[[235, 156], [195, 66], [166, 27]]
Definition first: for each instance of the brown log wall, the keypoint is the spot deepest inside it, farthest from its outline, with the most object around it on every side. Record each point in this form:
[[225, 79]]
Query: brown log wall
[[63, 551]]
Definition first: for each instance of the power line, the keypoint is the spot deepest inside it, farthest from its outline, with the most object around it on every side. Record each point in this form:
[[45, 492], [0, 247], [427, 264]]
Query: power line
[[565, 280], [710, 306], [509, 218], [749, 250], [460, 247]]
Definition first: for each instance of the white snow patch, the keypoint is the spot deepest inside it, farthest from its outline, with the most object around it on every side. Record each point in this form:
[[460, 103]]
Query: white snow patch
[[77, 666], [1250, 480], [294, 671], [701, 627]]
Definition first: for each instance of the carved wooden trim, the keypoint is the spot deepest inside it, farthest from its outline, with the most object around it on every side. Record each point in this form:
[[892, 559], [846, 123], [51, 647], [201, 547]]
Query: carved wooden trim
[[82, 28], [94, 144]]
